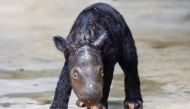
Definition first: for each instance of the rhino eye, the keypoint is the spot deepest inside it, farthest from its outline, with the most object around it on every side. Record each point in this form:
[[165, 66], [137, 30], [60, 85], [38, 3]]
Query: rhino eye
[[102, 71], [75, 74]]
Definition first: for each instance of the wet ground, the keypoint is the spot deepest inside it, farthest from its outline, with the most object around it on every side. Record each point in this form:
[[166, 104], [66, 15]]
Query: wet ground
[[30, 64]]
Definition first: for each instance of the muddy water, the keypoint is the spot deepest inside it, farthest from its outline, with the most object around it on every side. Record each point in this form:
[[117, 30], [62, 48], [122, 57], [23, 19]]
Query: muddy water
[[30, 64]]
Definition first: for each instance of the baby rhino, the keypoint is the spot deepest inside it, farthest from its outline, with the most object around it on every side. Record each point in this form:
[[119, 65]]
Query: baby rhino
[[99, 38]]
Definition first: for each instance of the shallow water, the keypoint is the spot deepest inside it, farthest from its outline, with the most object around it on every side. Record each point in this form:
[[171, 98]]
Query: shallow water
[[30, 64]]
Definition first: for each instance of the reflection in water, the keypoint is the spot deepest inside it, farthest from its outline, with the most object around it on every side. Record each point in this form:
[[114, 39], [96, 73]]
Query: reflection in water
[[30, 64]]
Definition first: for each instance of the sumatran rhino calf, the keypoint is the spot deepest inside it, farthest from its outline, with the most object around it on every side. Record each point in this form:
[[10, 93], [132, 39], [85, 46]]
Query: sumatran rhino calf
[[99, 38]]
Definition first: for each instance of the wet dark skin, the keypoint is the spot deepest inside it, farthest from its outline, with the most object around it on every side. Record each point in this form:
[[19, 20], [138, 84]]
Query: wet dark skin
[[99, 38]]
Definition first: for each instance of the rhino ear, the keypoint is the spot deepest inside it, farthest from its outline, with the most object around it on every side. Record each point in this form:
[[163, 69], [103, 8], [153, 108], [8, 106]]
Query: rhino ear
[[100, 41], [60, 43]]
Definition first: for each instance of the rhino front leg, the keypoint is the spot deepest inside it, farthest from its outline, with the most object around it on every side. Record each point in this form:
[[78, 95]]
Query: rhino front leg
[[63, 90]]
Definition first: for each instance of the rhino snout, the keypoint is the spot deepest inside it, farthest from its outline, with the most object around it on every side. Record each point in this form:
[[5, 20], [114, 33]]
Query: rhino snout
[[92, 94]]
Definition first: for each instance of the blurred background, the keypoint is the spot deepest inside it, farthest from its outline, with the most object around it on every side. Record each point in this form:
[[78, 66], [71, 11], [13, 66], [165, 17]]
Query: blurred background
[[30, 64]]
